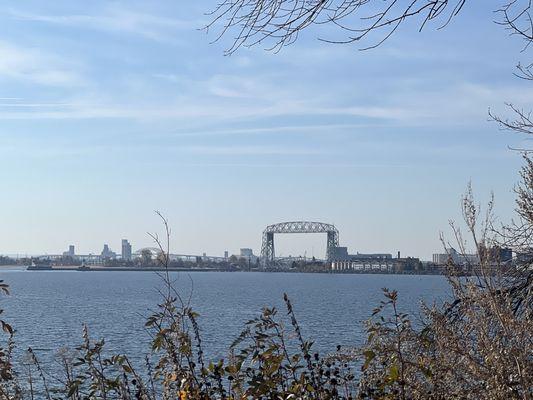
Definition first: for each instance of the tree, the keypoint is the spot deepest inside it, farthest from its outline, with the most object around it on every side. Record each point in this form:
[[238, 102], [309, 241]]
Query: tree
[[518, 235], [243, 262], [279, 22], [146, 257]]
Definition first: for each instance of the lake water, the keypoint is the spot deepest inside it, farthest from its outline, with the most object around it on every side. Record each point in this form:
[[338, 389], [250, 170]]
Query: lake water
[[48, 308]]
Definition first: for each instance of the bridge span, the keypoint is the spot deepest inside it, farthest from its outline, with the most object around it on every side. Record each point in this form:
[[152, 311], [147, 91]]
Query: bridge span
[[267, 247]]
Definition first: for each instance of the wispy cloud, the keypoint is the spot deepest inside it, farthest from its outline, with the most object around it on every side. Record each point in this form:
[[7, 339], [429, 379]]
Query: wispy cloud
[[116, 20], [33, 105], [250, 150], [36, 66], [307, 128], [190, 111], [282, 165]]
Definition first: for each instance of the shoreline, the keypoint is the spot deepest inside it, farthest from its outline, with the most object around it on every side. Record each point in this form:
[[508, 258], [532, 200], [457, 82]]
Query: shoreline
[[207, 269], [127, 269]]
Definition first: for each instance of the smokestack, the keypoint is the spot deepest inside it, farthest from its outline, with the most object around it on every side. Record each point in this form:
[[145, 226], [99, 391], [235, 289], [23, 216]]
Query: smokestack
[[398, 255]]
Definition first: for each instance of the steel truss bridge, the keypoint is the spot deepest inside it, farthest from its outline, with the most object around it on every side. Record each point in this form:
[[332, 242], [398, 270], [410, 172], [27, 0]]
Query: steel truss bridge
[[267, 247]]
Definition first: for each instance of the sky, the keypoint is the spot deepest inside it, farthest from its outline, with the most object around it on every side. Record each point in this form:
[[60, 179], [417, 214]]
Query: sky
[[110, 110]]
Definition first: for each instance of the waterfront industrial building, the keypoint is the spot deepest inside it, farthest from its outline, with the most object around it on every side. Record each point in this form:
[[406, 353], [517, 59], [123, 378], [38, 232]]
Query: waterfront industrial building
[[378, 262]]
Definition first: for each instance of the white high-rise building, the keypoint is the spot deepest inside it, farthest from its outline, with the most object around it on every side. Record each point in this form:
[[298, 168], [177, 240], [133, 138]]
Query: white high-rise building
[[126, 250]]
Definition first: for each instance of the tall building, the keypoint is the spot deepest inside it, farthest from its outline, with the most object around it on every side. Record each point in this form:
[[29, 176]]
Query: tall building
[[71, 252], [126, 250], [107, 253]]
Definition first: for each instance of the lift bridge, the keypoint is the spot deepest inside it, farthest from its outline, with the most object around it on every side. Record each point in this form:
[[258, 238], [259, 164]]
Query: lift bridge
[[267, 248]]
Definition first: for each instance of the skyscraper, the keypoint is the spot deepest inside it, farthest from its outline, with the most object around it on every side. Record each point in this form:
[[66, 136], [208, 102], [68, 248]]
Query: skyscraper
[[126, 250]]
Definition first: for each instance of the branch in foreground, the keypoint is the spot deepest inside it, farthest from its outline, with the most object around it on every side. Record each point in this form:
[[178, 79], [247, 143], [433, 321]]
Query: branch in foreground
[[279, 22]]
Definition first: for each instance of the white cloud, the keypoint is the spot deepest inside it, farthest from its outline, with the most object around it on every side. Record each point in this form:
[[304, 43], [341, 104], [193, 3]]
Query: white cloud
[[36, 66], [225, 97], [117, 20], [190, 110]]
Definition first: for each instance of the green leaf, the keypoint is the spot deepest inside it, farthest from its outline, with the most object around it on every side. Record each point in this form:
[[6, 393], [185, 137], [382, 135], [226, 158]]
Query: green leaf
[[394, 373], [369, 356]]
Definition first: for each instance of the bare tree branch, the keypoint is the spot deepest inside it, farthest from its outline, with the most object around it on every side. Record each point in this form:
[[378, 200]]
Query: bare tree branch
[[279, 22], [516, 18], [522, 123]]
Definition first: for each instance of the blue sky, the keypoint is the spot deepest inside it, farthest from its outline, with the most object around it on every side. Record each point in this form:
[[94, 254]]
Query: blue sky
[[111, 110]]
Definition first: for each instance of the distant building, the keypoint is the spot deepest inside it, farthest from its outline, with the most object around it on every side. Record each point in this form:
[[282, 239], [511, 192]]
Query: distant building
[[342, 261], [247, 253], [341, 253], [71, 252], [226, 254], [496, 254], [107, 253], [381, 256], [524, 256], [126, 250], [407, 264], [441, 258], [505, 254], [453, 257]]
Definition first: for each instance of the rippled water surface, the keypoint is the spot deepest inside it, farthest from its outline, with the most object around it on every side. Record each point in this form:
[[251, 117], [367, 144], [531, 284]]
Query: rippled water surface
[[48, 308]]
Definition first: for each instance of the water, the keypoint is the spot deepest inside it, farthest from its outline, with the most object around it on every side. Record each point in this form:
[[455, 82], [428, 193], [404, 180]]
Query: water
[[48, 309]]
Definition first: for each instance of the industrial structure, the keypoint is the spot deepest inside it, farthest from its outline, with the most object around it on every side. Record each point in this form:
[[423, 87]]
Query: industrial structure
[[70, 252], [107, 253], [376, 262], [267, 247], [341, 254]]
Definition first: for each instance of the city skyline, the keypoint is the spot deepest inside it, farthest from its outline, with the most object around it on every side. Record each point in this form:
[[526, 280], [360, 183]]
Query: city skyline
[[127, 251], [111, 110]]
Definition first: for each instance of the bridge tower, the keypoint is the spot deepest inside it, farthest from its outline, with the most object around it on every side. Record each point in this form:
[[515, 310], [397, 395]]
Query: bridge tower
[[333, 241], [267, 248]]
